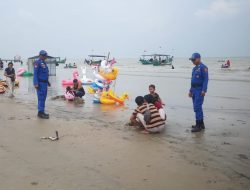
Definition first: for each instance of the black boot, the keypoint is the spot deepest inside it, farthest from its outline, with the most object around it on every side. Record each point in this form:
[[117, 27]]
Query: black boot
[[42, 115], [197, 128], [202, 124], [46, 114], [193, 126]]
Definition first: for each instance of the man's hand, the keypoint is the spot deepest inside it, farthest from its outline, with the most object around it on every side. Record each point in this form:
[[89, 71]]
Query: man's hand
[[49, 84], [203, 93], [190, 94], [36, 86]]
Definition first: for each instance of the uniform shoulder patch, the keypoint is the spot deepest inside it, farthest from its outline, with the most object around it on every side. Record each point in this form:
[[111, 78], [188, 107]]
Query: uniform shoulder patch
[[35, 65], [205, 69]]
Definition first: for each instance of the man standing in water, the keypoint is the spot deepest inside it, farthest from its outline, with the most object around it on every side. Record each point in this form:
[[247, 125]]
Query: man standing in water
[[198, 90], [41, 83]]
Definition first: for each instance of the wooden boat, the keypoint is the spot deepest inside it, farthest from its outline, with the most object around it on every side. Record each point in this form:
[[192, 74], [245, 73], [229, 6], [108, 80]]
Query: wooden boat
[[70, 66], [94, 60], [60, 61], [156, 59]]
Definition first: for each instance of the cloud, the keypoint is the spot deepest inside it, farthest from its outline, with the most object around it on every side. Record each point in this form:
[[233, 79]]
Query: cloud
[[223, 9]]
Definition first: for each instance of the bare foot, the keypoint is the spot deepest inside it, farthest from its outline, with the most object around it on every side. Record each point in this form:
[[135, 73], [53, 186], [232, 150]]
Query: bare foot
[[144, 132]]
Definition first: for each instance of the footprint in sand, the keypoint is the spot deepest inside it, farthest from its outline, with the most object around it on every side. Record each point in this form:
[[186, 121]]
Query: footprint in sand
[[243, 156], [11, 118], [34, 183]]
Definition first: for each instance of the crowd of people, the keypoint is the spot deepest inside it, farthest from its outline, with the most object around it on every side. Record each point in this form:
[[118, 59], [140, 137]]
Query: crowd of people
[[149, 114]]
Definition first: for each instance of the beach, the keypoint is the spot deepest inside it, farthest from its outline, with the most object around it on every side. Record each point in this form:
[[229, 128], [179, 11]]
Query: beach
[[97, 150]]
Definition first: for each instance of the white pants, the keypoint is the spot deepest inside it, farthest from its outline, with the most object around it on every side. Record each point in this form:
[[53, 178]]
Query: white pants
[[11, 85], [162, 114], [140, 118]]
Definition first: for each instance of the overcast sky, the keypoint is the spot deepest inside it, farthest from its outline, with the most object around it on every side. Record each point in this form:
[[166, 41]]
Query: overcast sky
[[76, 28]]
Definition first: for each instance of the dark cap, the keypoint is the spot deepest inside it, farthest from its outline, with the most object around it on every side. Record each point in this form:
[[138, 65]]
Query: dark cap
[[43, 53], [195, 56]]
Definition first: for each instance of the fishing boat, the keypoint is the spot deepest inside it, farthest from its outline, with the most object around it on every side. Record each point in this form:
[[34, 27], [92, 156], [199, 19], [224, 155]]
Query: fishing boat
[[94, 60], [156, 59], [221, 60], [70, 66], [60, 61]]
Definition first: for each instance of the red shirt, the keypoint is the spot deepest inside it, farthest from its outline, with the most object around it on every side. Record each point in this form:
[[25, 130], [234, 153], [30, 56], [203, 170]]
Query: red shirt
[[158, 105]]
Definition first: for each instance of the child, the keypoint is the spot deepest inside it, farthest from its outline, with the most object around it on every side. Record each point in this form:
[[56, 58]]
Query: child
[[158, 105], [155, 95], [69, 90]]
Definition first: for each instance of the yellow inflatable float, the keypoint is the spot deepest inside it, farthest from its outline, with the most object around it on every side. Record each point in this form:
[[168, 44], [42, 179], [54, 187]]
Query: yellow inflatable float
[[105, 99], [111, 98], [109, 75], [90, 90], [116, 98]]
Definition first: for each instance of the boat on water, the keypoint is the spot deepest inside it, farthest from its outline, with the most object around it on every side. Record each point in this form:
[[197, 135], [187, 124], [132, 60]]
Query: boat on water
[[60, 61], [221, 61], [94, 60], [157, 59], [70, 66]]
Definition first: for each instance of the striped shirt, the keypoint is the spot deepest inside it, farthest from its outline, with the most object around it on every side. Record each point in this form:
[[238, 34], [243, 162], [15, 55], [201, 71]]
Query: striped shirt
[[155, 120]]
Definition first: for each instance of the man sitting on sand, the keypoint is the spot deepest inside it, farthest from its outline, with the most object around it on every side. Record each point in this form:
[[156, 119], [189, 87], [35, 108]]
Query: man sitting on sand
[[78, 89], [147, 115]]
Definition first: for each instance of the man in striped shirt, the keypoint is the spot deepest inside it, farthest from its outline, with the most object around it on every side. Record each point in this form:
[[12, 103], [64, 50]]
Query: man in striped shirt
[[156, 123]]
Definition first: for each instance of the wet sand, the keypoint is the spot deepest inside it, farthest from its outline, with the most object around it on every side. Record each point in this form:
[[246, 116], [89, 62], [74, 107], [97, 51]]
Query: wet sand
[[97, 150], [93, 155]]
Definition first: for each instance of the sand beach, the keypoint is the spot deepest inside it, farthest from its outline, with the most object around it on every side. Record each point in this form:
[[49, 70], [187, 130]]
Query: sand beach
[[97, 150]]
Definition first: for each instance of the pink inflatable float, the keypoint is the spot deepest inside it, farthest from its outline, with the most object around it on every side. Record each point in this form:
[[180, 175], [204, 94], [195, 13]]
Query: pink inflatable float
[[20, 71], [70, 81]]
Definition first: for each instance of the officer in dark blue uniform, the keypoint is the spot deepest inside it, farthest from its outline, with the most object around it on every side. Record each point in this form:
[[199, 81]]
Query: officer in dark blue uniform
[[41, 82], [198, 90]]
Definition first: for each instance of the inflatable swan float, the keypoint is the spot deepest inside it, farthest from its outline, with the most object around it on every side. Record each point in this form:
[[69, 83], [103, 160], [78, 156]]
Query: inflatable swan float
[[84, 79]]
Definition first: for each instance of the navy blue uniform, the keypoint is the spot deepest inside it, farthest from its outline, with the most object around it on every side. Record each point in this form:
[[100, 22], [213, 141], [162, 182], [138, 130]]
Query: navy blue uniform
[[41, 76], [199, 83]]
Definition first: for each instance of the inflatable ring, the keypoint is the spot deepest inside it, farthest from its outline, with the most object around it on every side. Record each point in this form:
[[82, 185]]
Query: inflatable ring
[[20, 71], [69, 96]]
